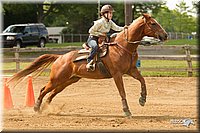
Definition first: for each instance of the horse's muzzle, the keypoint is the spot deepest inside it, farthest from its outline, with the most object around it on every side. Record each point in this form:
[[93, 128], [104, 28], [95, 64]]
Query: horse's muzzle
[[163, 36]]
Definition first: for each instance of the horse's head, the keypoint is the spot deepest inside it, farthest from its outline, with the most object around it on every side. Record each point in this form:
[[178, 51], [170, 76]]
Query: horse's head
[[153, 28]]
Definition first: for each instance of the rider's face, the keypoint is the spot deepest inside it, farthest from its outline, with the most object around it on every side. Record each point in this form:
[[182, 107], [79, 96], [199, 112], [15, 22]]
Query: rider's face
[[110, 14]]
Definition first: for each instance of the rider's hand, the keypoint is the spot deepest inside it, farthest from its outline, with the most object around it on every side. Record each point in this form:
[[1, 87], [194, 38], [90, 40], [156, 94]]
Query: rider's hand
[[125, 27], [103, 34]]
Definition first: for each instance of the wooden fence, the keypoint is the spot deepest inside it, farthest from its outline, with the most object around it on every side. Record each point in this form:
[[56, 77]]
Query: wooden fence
[[154, 49], [63, 38]]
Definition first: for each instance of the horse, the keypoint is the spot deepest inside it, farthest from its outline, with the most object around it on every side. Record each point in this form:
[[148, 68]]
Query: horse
[[121, 59]]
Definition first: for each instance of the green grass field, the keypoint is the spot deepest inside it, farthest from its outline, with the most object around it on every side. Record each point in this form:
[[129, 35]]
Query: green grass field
[[166, 64], [144, 63], [181, 42], [56, 45], [168, 42]]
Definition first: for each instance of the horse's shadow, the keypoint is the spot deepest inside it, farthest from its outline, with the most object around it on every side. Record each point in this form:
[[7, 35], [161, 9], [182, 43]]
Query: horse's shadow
[[162, 117]]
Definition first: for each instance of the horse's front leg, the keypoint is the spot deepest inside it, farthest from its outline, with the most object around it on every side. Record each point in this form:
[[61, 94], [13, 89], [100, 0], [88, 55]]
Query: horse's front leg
[[136, 74], [120, 86]]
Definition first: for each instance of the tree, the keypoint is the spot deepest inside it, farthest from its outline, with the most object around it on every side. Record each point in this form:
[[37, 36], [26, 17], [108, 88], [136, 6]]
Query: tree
[[79, 17], [184, 22], [175, 21], [44, 9], [27, 13], [19, 13], [181, 10], [147, 7]]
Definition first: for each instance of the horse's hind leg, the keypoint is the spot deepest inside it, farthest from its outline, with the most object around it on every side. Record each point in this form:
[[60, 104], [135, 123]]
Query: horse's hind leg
[[136, 74], [49, 87], [58, 89]]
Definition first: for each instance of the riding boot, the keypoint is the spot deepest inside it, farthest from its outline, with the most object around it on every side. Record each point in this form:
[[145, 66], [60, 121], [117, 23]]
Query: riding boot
[[90, 65]]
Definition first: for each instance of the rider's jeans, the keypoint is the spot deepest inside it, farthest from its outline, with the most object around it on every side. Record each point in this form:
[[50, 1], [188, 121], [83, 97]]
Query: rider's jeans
[[92, 44]]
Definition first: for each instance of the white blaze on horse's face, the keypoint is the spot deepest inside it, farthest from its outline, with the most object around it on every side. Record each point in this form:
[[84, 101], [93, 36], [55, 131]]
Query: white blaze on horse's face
[[153, 28]]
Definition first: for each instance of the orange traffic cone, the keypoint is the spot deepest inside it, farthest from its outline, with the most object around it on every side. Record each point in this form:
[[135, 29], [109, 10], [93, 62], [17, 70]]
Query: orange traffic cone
[[8, 103], [30, 99]]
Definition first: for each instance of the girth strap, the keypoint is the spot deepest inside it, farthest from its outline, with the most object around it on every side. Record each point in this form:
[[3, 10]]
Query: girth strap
[[115, 43], [125, 49]]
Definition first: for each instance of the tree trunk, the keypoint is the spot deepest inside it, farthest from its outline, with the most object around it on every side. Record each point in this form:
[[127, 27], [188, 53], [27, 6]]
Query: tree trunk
[[42, 13]]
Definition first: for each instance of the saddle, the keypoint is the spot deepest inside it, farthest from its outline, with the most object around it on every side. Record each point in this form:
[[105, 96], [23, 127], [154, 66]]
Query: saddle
[[84, 53], [102, 52]]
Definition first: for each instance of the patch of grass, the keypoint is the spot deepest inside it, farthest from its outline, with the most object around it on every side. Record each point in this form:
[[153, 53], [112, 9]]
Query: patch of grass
[[167, 74], [62, 45], [182, 42], [144, 63], [168, 42], [166, 64], [12, 65]]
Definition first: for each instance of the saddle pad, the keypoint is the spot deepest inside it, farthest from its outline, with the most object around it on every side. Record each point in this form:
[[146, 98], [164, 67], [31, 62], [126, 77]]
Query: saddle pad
[[83, 53], [82, 57]]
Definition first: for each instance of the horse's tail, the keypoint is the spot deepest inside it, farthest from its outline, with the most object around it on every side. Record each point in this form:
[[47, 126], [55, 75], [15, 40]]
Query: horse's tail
[[38, 66]]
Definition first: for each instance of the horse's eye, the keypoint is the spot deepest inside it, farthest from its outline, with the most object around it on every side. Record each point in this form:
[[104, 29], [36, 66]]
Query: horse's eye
[[153, 24]]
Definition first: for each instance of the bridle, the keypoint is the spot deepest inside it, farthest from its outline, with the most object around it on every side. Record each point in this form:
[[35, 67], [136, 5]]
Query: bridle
[[132, 42], [126, 37], [137, 42], [134, 53], [129, 42]]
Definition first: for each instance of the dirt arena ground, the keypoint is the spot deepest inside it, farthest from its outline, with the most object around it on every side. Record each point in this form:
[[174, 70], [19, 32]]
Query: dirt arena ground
[[95, 105]]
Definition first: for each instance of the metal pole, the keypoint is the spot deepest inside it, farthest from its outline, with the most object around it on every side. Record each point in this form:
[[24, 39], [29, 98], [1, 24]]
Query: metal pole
[[98, 8], [128, 12]]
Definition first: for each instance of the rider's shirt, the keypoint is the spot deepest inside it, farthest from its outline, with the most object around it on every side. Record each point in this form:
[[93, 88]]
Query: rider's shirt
[[101, 27]]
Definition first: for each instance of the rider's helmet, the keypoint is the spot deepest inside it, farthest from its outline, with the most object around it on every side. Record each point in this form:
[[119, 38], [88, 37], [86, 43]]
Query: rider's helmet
[[106, 8]]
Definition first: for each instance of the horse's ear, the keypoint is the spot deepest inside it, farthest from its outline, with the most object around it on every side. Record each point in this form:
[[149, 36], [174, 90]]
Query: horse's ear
[[146, 16]]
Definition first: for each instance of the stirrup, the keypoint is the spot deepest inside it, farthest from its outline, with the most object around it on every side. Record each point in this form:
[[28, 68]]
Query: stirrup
[[90, 66]]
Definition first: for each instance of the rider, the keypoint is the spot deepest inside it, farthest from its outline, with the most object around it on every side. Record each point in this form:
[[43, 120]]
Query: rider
[[100, 28]]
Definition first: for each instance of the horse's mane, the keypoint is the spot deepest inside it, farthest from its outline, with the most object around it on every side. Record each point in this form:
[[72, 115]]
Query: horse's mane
[[134, 22]]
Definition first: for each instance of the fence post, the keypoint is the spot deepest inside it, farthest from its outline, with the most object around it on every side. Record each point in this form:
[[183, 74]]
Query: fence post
[[63, 38], [72, 38], [17, 59], [176, 36], [189, 60], [80, 37], [170, 35]]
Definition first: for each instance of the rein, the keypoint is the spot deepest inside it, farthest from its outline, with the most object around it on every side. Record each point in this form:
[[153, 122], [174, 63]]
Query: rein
[[127, 40], [136, 42], [126, 37], [130, 42], [125, 49]]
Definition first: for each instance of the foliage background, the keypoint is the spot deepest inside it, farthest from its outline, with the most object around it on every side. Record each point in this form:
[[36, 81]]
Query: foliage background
[[79, 17]]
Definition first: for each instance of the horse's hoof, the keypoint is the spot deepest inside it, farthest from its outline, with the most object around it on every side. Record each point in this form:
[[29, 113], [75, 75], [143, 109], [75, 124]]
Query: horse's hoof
[[142, 101], [45, 106], [36, 109], [128, 114]]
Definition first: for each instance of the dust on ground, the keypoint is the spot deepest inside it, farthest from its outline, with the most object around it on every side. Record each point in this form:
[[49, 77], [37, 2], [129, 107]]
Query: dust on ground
[[95, 105]]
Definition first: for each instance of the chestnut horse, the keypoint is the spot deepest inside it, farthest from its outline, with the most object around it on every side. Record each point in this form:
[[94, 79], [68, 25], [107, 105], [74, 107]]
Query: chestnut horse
[[121, 59]]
